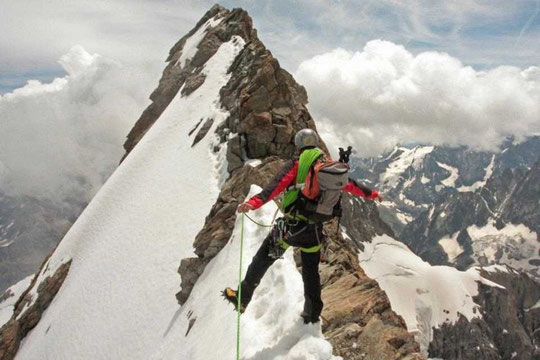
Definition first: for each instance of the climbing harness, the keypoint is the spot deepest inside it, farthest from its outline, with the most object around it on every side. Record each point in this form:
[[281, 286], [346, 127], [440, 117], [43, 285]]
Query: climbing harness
[[279, 234]]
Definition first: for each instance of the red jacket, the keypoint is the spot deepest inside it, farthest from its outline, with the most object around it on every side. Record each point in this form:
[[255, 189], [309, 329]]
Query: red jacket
[[287, 177]]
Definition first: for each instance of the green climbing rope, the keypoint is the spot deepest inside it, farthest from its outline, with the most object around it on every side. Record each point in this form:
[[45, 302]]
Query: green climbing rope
[[239, 291]]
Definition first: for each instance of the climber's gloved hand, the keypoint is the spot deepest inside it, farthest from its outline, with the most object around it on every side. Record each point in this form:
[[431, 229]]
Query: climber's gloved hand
[[379, 198], [244, 207]]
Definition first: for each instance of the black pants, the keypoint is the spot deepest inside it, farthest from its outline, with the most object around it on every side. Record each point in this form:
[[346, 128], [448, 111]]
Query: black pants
[[301, 235]]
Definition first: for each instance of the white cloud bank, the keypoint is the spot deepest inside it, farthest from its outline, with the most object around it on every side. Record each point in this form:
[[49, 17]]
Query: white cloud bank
[[61, 140], [385, 95]]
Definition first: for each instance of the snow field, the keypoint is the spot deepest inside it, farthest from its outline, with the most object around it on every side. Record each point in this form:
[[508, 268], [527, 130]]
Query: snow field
[[119, 296], [418, 291]]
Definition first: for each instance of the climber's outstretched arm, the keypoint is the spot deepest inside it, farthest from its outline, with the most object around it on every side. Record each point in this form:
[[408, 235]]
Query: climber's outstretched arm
[[354, 188], [280, 183]]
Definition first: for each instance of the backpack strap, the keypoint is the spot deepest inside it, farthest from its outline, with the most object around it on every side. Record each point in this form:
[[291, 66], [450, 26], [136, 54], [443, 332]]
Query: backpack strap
[[307, 158]]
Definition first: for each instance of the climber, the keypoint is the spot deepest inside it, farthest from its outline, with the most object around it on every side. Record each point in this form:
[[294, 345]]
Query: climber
[[301, 226]]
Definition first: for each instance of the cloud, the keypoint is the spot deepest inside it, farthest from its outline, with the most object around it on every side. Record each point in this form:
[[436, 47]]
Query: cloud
[[385, 95], [36, 33], [61, 140]]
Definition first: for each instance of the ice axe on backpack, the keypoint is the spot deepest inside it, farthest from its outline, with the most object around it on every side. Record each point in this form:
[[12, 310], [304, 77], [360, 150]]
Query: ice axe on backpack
[[344, 156]]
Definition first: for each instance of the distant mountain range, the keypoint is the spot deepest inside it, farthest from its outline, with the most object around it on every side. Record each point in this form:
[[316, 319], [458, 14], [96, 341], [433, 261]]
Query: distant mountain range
[[460, 207]]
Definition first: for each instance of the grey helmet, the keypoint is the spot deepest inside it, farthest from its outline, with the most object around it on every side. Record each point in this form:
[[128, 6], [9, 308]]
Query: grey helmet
[[306, 138]]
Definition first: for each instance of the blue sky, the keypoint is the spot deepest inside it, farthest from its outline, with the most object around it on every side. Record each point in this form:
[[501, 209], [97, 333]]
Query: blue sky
[[483, 34]]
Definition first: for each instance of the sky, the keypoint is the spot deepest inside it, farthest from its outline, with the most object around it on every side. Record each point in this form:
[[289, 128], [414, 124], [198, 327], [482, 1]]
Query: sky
[[75, 76], [483, 34]]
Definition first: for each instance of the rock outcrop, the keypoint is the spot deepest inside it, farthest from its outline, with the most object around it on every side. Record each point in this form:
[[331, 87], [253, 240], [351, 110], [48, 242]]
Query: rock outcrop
[[28, 311], [358, 319]]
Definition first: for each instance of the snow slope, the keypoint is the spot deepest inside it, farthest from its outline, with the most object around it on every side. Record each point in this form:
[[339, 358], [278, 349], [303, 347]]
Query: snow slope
[[418, 291], [119, 296]]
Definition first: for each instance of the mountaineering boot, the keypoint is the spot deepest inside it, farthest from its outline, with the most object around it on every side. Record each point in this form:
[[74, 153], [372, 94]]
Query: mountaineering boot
[[308, 319], [231, 296], [312, 310]]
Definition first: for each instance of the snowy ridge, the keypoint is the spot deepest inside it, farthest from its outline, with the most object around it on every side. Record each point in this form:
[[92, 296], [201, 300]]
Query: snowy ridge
[[127, 243], [271, 326], [418, 291]]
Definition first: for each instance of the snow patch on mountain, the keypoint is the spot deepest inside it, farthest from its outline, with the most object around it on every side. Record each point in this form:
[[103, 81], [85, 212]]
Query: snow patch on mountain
[[403, 217], [190, 48], [418, 291], [136, 227], [451, 246], [408, 157], [6, 242], [514, 244], [450, 181], [10, 297], [479, 184]]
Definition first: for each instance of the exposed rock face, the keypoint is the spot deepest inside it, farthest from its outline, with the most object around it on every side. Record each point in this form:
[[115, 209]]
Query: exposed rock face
[[359, 321], [522, 206], [266, 108], [25, 319], [508, 328]]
